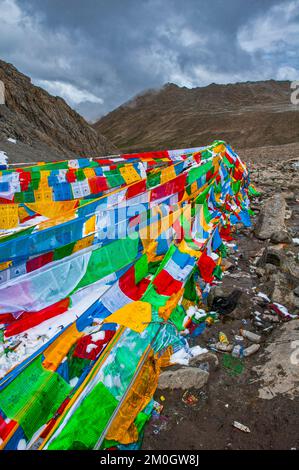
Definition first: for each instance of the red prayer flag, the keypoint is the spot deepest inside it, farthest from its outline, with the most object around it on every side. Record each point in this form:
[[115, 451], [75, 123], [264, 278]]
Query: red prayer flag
[[206, 266], [166, 284], [31, 319]]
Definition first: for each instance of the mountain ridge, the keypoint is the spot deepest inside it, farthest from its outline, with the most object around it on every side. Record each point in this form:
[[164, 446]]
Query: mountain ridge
[[247, 114], [44, 126]]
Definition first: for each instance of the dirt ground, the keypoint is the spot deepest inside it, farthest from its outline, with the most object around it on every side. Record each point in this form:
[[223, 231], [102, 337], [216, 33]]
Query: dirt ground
[[274, 424], [235, 394]]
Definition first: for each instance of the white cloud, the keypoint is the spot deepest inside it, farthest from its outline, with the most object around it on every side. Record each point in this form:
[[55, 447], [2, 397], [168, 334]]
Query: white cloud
[[163, 58], [162, 62], [69, 92], [188, 38], [30, 46], [287, 73], [273, 31], [177, 31], [98, 56], [206, 75], [10, 12]]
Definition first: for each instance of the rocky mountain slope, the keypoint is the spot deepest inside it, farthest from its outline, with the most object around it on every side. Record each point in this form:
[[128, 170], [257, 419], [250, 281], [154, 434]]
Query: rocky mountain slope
[[44, 126], [250, 114]]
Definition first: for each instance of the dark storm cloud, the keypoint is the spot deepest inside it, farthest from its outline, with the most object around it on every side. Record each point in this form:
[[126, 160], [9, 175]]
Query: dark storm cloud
[[99, 53]]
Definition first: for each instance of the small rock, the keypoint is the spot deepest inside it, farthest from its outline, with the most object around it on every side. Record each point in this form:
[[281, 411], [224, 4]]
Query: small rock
[[281, 237], [227, 265], [270, 268], [215, 291], [289, 196], [296, 291], [260, 272]]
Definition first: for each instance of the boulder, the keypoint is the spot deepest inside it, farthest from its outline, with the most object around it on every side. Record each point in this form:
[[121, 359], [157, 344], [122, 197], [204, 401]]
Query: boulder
[[271, 220], [282, 293], [183, 378], [283, 261], [289, 196]]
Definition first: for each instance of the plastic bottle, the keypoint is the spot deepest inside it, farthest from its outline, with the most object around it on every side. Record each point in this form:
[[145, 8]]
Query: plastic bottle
[[251, 350], [251, 336], [237, 351]]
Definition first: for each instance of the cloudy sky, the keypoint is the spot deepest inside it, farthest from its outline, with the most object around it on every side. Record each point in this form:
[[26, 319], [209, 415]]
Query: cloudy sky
[[97, 54]]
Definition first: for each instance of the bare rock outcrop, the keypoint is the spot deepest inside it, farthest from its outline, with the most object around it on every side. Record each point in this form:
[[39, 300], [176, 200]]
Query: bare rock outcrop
[[44, 126], [271, 221]]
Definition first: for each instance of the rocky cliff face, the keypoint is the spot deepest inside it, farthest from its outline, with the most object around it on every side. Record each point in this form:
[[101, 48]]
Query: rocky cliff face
[[247, 115], [45, 127]]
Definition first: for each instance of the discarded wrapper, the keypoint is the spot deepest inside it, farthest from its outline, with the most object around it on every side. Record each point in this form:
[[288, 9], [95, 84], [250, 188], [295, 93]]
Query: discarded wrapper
[[223, 338], [189, 399], [223, 347], [281, 311], [241, 426]]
